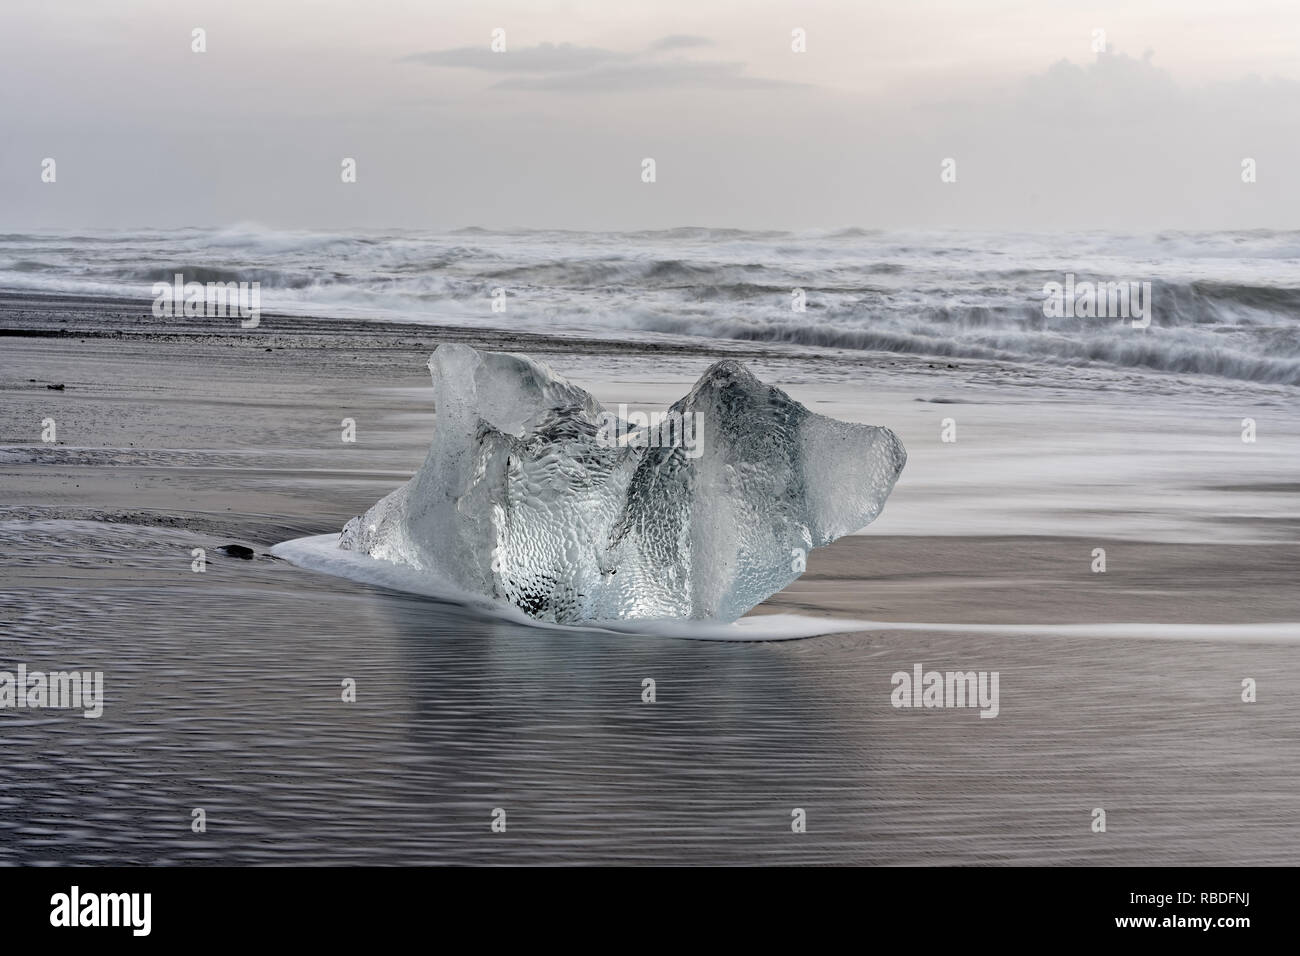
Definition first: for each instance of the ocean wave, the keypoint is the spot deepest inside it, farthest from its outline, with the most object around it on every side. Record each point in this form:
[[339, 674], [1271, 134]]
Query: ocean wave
[[268, 278], [1118, 348], [1224, 304]]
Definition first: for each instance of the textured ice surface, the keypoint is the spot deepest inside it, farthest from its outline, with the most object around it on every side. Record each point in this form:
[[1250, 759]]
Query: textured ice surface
[[524, 498]]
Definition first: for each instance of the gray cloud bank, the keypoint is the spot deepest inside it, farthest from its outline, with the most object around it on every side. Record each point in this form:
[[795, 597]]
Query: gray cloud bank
[[567, 68]]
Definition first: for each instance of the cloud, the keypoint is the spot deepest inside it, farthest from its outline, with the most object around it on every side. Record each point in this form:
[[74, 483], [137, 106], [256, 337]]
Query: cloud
[[1114, 87], [584, 69], [679, 74], [680, 41], [543, 58]]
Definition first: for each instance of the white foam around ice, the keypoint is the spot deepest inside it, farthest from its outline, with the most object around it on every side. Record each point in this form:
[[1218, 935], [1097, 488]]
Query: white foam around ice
[[321, 553]]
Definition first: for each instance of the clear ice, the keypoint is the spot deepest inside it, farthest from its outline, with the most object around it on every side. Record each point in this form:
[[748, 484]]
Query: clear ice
[[532, 493]]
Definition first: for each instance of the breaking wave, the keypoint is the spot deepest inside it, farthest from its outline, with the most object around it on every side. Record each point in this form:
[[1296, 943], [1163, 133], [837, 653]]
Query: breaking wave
[[1223, 304]]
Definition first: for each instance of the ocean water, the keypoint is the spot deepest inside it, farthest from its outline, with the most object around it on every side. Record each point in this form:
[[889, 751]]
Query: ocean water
[[223, 693], [1223, 304]]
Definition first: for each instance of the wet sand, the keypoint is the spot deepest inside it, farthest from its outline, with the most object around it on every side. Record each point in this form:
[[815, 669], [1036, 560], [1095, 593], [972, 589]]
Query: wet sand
[[224, 687]]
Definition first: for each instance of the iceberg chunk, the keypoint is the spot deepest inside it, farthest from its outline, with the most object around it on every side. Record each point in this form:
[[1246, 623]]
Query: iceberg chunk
[[532, 493]]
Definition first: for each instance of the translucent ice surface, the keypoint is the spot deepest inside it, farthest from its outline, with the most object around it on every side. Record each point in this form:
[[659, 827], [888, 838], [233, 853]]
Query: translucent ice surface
[[535, 495]]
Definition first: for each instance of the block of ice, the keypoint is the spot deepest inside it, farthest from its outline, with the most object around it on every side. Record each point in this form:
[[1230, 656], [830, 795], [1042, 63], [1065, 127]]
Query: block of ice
[[532, 493]]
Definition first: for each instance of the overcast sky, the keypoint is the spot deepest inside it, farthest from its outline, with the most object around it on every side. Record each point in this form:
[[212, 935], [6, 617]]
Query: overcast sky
[[1045, 132]]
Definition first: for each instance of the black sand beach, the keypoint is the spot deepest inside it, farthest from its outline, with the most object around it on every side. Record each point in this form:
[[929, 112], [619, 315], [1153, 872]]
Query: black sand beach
[[223, 688]]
